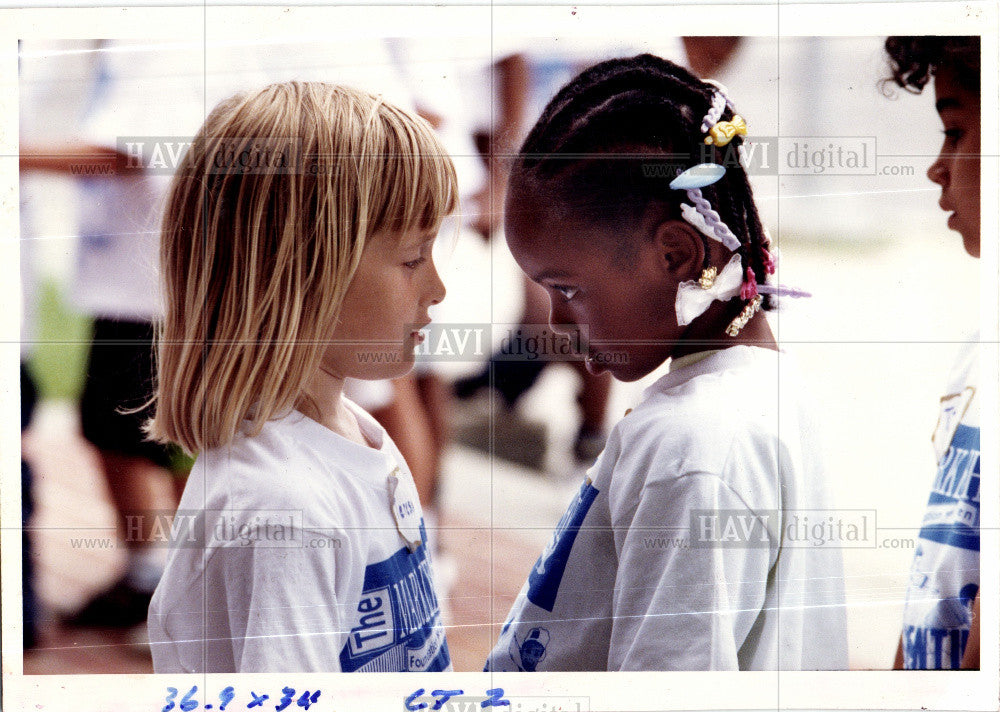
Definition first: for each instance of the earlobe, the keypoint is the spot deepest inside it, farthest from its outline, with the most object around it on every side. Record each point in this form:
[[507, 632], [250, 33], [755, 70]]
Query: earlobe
[[682, 247]]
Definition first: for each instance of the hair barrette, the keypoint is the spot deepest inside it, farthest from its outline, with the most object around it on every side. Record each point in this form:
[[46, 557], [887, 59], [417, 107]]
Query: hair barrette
[[725, 131], [737, 324]]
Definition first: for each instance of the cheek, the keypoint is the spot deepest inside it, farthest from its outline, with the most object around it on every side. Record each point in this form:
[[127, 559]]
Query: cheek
[[970, 181], [966, 165], [631, 313], [372, 305], [356, 312], [651, 308], [965, 193]]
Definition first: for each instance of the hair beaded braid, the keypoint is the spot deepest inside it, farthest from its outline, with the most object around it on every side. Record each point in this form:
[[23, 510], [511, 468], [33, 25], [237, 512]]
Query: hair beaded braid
[[594, 147]]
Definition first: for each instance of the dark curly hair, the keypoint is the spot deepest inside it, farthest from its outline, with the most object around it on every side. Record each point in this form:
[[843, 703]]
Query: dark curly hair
[[914, 60], [608, 143]]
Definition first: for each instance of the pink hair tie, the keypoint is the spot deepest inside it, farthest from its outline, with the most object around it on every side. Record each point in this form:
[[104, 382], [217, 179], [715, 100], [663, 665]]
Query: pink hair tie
[[768, 261], [749, 288]]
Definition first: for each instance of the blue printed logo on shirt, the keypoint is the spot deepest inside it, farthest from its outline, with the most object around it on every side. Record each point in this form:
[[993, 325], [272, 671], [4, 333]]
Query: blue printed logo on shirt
[[952, 516], [939, 601], [398, 624], [546, 575]]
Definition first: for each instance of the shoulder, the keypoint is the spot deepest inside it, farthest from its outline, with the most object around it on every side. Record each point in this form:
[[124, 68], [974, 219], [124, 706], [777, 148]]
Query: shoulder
[[965, 369], [274, 469], [695, 419], [719, 423]]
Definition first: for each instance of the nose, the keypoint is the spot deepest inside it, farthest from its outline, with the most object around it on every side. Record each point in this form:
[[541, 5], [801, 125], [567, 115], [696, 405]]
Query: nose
[[436, 290], [938, 172], [559, 318]]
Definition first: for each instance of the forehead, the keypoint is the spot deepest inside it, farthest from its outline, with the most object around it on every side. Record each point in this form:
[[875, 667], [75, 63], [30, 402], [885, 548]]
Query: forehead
[[950, 96], [401, 240], [417, 237], [543, 239]]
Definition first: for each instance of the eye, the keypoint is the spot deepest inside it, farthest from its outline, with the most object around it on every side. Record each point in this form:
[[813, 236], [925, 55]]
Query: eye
[[413, 264], [953, 134], [567, 292]]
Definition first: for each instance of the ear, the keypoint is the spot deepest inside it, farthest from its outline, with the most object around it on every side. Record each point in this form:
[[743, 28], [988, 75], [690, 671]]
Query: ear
[[682, 249]]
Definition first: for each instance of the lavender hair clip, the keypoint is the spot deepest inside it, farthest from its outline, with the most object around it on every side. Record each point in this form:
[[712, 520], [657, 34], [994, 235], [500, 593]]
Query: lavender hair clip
[[700, 215], [780, 290]]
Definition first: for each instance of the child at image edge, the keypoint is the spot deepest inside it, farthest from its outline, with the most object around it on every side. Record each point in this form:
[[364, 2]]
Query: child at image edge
[[299, 541], [648, 568], [941, 616]]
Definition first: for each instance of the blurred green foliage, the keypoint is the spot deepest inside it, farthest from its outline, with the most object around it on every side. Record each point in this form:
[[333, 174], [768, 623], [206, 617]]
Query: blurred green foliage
[[59, 357]]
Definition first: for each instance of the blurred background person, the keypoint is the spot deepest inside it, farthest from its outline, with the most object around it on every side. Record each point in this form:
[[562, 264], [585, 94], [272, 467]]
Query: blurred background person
[[115, 284], [29, 396]]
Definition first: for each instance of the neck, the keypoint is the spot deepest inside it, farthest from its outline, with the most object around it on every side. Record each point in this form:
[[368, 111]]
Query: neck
[[709, 331], [322, 402]]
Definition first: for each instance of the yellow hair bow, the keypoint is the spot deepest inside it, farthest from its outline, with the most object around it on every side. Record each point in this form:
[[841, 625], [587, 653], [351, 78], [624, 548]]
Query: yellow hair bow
[[725, 131]]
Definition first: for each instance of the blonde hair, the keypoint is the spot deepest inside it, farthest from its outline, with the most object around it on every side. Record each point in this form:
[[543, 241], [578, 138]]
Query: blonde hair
[[265, 224]]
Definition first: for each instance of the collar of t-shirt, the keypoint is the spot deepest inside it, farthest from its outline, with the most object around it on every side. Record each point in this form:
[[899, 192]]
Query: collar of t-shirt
[[370, 463], [691, 359], [687, 367]]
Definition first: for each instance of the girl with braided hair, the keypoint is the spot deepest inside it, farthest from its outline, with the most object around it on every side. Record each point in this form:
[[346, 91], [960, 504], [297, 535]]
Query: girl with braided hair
[[685, 546]]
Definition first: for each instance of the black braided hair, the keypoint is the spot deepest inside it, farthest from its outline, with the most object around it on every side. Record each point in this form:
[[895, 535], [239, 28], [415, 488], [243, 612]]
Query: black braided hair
[[609, 142], [914, 60]]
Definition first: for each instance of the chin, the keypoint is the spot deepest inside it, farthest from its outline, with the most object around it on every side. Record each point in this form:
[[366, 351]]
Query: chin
[[971, 244], [624, 372], [638, 364], [398, 370], [385, 372]]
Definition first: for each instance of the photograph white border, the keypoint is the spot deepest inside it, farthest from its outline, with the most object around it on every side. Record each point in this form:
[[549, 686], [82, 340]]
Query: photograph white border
[[606, 691]]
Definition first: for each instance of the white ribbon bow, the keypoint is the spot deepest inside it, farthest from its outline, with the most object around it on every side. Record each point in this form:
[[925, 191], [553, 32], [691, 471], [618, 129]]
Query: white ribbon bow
[[693, 300]]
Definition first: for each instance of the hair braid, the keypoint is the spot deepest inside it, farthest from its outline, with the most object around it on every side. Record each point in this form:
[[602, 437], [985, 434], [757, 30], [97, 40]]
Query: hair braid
[[592, 146]]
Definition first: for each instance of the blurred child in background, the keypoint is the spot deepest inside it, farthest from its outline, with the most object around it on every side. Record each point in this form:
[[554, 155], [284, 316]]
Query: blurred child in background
[[941, 617]]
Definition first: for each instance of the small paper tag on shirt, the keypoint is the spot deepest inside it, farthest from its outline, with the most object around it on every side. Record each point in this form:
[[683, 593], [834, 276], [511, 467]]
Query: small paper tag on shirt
[[953, 409], [405, 508]]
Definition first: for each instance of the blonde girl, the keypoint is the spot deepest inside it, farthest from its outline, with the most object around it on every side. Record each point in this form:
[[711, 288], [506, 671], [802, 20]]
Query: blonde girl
[[296, 253]]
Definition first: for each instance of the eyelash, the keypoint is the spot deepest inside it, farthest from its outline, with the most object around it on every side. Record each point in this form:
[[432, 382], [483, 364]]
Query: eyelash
[[953, 134], [562, 290], [415, 263]]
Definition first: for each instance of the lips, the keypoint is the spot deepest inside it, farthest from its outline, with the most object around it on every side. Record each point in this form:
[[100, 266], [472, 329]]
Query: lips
[[418, 334], [593, 366]]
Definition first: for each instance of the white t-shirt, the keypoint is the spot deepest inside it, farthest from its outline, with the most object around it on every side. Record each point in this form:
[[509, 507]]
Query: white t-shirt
[[944, 577], [297, 551], [625, 583]]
